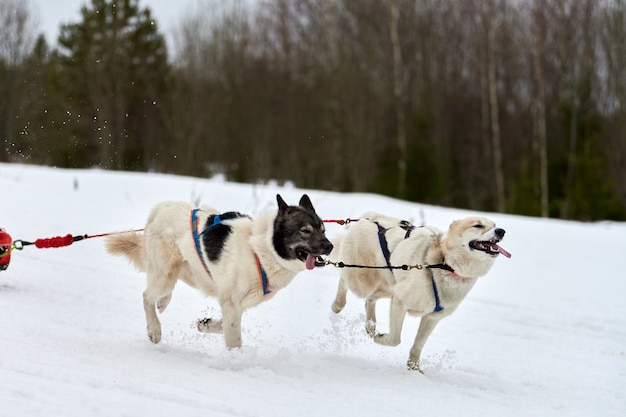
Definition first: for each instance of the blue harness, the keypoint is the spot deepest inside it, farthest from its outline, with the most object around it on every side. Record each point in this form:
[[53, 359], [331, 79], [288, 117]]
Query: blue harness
[[387, 254], [217, 219], [438, 306], [196, 236]]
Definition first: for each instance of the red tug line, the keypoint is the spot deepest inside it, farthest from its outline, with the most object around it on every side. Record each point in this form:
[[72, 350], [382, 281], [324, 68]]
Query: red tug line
[[7, 245]]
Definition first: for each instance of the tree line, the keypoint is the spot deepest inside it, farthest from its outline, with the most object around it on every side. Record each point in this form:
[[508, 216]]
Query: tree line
[[514, 106]]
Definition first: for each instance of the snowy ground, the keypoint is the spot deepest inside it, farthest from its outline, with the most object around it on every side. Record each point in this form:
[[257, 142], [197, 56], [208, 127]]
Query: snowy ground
[[543, 334]]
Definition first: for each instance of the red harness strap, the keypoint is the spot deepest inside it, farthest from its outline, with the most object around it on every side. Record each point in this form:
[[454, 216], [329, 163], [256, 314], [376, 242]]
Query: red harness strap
[[196, 238]]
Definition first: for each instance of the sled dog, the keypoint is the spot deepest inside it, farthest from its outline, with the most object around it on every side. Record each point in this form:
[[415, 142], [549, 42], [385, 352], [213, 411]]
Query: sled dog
[[449, 266], [240, 261], [363, 244]]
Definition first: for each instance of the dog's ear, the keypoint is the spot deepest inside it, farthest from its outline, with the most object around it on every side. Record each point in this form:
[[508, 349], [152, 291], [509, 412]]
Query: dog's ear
[[281, 203], [305, 202]]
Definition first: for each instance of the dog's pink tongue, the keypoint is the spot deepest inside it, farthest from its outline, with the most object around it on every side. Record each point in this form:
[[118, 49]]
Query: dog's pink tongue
[[502, 251], [310, 262]]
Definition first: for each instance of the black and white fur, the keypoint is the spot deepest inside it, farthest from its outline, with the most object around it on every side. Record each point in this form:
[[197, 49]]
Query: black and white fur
[[285, 242]]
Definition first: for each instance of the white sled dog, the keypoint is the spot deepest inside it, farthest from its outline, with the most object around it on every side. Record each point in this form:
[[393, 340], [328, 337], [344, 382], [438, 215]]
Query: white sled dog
[[240, 261], [449, 266], [363, 244]]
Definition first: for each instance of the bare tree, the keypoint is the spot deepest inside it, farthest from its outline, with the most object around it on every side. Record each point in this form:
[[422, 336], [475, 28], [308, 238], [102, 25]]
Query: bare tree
[[492, 82], [398, 96], [17, 31], [329, 17], [539, 28], [580, 51], [612, 39], [17, 37]]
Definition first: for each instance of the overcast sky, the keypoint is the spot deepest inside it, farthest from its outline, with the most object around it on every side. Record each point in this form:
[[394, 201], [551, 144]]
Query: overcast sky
[[52, 13]]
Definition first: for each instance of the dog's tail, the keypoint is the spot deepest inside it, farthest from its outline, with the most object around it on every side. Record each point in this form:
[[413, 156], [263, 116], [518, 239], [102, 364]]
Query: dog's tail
[[129, 244]]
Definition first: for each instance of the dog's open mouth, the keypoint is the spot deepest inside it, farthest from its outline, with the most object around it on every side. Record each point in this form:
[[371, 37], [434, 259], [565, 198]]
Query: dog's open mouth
[[310, 260], [490, 247]]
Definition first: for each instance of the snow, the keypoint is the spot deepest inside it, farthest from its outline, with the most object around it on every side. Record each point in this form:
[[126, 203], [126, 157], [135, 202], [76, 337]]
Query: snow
[[543, 334]]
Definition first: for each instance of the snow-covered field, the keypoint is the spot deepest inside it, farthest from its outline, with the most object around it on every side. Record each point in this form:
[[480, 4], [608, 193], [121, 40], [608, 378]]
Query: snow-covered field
[[543, 334]]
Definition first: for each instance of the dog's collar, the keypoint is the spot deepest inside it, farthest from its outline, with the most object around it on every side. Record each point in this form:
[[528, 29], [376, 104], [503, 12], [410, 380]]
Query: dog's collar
[[443, 265]]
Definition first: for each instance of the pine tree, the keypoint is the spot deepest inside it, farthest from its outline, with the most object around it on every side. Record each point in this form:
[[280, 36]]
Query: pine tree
[[114, 65]]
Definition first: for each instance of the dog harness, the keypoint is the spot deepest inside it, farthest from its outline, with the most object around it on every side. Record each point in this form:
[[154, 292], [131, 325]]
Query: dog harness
[[438, 306], [217, 219], [382, 239], [196, 238]]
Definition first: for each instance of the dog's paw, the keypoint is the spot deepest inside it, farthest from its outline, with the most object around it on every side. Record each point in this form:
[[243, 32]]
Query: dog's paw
[[413, 365], [370, 328], [386, 339], [337, 307], [154, 333], [208, 325]]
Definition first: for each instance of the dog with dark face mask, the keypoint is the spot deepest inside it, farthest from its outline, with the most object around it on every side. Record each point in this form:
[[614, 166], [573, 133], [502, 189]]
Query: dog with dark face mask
[[238, 260]]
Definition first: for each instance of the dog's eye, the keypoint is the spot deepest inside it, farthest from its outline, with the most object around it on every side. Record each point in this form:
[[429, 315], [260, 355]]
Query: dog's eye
[[478, 226], [306, 231]]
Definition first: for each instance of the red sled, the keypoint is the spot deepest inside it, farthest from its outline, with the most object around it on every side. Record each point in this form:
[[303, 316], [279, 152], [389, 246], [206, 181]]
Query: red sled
[[5, 249]]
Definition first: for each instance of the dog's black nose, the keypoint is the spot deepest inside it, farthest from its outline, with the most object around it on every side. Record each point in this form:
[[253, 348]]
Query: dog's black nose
[[327, 247], [499, 233]]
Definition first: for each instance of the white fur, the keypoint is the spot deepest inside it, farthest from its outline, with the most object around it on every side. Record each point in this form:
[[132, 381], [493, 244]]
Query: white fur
[[166, 252], [360, 245], [411, 290]]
